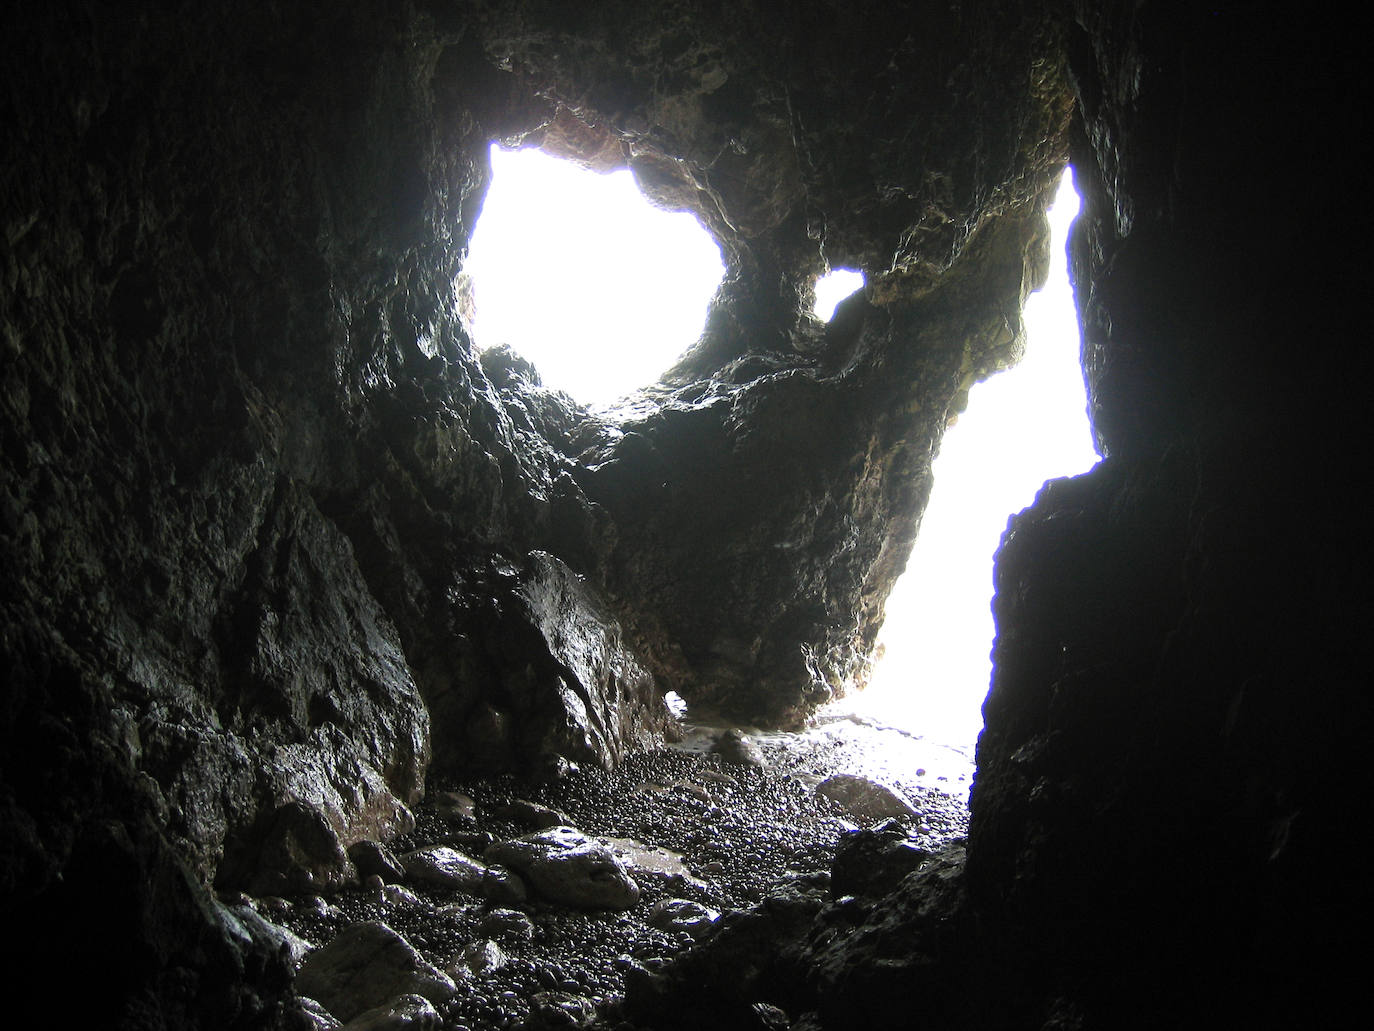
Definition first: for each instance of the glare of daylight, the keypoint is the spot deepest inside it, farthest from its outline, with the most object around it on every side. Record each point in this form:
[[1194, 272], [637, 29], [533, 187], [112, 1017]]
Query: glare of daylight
[[1022, 427], [582, 276]]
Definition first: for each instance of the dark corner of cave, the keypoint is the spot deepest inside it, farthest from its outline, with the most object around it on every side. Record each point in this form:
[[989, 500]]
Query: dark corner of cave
[[344, 663]]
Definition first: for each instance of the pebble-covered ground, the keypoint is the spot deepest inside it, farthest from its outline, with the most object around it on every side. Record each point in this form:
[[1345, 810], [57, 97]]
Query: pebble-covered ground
[[741, 829]]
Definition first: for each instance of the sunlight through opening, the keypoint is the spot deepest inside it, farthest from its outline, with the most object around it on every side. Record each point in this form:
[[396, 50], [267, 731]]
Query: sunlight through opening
[[1022, 427], [582, 276], [834, 287]]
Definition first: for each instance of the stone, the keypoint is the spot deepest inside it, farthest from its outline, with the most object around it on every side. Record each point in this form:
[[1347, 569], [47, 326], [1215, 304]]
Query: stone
[[503, 887], [398, 895], [455, 806], [873, 862], [652, 864], [564, 865], [440, 866], [866, 799], [365, 966], [301, 853], [683, 915], [507, 924], [403, 1013], [734, 746], [276, 937], [372, 857], [311, 1016], [530, 814], [553, 1010], [477, 960]]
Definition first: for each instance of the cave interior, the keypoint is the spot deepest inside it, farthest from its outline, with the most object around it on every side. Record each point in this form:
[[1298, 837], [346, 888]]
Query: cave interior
[[278, 543]]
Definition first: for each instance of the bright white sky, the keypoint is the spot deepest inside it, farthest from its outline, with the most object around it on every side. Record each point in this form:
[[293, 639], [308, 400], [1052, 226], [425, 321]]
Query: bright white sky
[[582, 276], [1022, 427], [603, 292]]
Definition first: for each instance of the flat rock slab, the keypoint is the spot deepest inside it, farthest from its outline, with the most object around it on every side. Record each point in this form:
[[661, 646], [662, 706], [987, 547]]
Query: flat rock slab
[[368, 965], [652, 863], [866, 799], [566, 866]]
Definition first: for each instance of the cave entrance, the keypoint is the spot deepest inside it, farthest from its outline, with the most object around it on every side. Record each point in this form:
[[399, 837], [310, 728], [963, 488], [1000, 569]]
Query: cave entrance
[[1022, 427], [581, 275]]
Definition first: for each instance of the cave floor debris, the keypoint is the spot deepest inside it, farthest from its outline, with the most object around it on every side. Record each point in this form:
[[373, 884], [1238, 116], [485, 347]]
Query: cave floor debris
[[742, 832]]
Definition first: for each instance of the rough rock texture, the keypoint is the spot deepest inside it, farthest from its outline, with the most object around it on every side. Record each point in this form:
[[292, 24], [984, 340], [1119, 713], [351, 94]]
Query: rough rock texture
[[566, 866], [368, 966], [275, 539]]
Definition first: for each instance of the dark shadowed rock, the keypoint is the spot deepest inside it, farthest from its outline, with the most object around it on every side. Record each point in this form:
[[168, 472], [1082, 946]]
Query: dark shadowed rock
[[734, 746], [300, 854], [530, 814], [373, 858], [872, 862]]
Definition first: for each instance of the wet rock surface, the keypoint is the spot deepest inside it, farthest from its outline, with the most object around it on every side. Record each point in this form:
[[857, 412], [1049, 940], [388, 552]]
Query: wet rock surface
[[566, 866], [525, 966]]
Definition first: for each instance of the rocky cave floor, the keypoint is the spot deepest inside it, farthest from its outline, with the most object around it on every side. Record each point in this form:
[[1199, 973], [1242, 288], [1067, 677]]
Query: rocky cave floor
[[745, 824]]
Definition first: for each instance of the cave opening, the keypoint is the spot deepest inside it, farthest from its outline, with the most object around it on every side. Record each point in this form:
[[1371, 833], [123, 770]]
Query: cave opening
[[580, 274], [1022, 427], [834, 287]]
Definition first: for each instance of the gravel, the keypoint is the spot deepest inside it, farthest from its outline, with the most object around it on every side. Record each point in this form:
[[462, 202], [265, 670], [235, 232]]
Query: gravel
[[743, 831]]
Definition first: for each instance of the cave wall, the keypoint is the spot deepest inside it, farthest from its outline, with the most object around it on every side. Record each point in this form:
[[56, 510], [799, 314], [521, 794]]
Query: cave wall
[[1175, 733]]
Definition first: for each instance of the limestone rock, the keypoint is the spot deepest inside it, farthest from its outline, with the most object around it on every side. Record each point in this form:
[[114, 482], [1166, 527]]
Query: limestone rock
[[365, 966], [301, 853], [309, 1015], [865, 799], [278, 938], [564, 865]]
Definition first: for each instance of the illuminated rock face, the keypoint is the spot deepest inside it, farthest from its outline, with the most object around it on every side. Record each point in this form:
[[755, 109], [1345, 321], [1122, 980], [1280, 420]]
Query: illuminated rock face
[[275, 541]]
